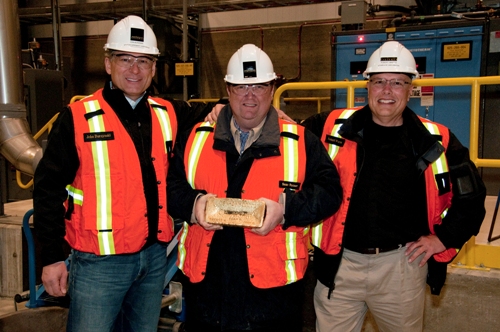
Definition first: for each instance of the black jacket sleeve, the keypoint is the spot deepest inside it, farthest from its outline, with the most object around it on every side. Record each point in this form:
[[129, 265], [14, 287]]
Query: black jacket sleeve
[[55, 170], [467, 211], [181, 195]]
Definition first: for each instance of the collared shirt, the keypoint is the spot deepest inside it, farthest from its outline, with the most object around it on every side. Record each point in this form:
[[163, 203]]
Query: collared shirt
[[253, 134], [133, 103]]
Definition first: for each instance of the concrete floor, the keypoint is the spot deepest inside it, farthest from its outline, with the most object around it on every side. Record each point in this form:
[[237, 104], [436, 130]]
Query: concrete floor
[[470, 300]]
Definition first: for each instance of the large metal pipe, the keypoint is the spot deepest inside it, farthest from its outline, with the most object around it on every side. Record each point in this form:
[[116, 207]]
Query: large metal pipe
[[16, 142]]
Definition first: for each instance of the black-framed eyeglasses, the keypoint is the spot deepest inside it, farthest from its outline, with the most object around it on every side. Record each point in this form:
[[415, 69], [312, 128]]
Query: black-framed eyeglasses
[[396, 83], [257, 89], [128, 60]]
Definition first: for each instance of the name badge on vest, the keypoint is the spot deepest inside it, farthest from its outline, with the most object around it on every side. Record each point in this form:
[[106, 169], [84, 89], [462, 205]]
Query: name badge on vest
[[100, 136], [334, 140], [289, 185]]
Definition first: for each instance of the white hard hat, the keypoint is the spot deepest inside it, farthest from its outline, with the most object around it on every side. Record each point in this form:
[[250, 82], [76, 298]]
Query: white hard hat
[[134, 35], [391, 57], [249, 65]]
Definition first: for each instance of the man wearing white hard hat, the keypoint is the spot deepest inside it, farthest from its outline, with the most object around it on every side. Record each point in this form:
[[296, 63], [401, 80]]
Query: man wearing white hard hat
[[101, 187], [248, 277], [412, 198]]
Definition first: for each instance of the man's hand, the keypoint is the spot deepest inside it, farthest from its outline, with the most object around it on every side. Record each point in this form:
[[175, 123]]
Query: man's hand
[[199, 213], [212, 116], [427, 245], [282, 115], [274, 216], [55, 278]]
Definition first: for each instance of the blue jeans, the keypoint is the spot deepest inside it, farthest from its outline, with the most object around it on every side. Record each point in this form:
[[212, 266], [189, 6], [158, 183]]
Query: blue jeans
[[116, 292]]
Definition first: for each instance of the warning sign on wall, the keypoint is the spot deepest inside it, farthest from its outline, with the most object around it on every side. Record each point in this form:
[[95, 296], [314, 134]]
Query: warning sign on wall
[[425, 93]]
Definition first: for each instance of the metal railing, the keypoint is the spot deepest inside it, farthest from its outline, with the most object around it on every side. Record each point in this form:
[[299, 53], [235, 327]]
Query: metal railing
[[474, 82], [472, 255], [46, 128]]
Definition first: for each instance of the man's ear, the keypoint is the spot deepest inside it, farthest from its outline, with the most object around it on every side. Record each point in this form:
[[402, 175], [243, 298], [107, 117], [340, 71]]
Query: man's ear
[[153, 69], [107, 65]]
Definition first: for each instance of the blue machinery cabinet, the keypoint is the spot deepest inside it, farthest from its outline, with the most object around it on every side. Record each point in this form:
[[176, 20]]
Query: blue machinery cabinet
[[439, 52]]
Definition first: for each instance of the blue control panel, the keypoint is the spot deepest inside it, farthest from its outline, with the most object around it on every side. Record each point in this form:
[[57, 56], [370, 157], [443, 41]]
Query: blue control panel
[[439, 53]]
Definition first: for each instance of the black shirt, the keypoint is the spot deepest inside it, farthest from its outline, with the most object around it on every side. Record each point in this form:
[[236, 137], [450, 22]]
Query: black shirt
[[388, 204]]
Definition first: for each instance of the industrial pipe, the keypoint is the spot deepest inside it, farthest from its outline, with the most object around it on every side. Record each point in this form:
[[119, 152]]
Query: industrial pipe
[[16, 142]]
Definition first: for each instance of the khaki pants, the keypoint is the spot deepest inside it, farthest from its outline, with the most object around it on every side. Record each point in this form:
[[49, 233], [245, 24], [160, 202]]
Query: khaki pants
[[392, 288]]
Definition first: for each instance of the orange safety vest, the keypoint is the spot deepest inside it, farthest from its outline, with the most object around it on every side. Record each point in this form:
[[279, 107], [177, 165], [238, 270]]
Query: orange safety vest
[[280, 257], [328, 234], [106, 207]]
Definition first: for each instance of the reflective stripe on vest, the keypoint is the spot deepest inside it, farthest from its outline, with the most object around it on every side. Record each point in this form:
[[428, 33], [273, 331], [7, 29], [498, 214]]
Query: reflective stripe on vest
[[291, 251], [181, 248], [290, 167], [332, 148], [439, 166], [164, 120], [194, 154], [77, 194], [103, 186], [291, 154]]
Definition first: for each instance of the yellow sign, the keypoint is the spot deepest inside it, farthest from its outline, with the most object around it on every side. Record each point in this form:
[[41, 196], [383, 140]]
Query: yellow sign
[[184, 69], [456, 51]]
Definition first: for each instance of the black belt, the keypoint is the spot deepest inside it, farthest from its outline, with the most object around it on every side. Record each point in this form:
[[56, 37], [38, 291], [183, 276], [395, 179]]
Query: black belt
[[374, 251]]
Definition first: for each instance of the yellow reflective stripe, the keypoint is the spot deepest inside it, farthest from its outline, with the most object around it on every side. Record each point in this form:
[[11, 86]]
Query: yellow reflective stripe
[[103, 186], [181, 248], [164, 119], [195, 152], [440, 165], [291, 173], [332, 148], [317, 234], [291, 251], [77, 194], [291, 154]]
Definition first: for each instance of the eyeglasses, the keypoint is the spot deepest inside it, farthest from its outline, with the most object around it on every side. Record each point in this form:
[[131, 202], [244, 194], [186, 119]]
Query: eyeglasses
[[127, 61], [257, 89], [396, 84]]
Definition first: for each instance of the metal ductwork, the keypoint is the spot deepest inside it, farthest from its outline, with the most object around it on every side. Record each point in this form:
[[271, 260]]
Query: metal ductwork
[[16, 142]]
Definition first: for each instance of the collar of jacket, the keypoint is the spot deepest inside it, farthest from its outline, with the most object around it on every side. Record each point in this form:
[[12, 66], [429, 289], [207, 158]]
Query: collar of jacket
[[425, 145], [116, 99], [265, 146]]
